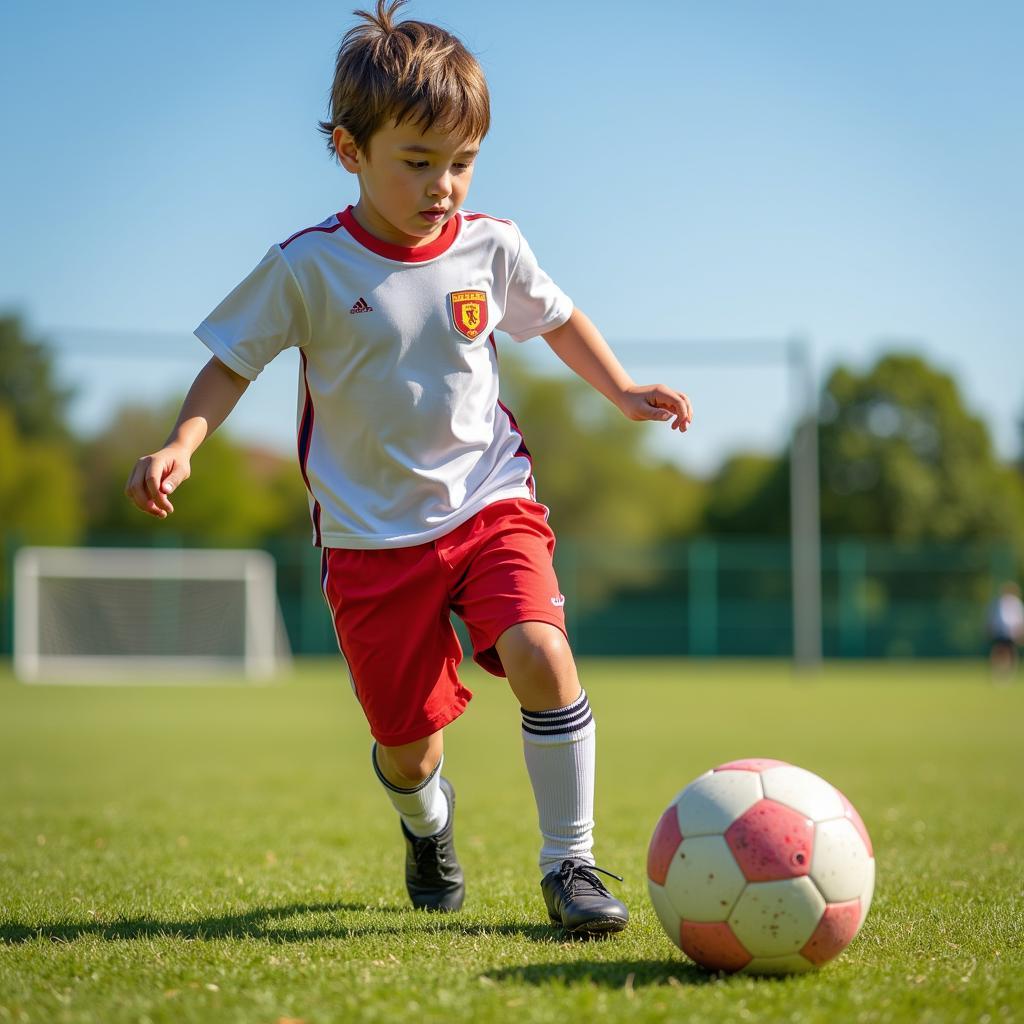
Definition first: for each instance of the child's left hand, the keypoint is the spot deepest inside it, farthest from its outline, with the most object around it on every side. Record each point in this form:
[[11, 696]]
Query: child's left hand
[[657, 402]]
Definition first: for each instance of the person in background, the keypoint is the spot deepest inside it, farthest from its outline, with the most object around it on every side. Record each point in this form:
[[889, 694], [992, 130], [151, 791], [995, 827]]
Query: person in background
[[1006, 631]]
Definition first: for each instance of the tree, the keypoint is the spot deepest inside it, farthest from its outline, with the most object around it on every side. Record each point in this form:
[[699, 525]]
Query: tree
[[1020, 441], [40, 499], [39, 480], [40, 490], [590, 462], [604, 490], [901, 458], [28, 385], [230, 499], [749, 495]]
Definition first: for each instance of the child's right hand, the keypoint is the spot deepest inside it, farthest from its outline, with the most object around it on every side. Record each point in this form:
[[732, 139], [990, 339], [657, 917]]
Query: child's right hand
[[154, 477]]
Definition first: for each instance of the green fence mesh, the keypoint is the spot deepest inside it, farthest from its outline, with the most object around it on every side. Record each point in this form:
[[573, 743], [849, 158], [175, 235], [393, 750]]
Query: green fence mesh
[[717, 597]]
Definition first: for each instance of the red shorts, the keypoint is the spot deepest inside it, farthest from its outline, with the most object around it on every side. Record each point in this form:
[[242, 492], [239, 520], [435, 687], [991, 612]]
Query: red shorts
[[392, 606]]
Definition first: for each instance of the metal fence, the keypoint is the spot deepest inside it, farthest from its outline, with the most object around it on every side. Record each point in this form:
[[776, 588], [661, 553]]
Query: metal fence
[[715, 597], [733, 598], [719, 597]]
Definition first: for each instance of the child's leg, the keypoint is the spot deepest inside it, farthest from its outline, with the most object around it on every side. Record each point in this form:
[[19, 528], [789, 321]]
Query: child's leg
[[425, 801], [558, 741], [411, 776], [558, 738], [507, 594], [390, 611]]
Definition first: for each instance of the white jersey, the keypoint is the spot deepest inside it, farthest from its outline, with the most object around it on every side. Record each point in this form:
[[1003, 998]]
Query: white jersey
[[1006, 617], [401, 435]]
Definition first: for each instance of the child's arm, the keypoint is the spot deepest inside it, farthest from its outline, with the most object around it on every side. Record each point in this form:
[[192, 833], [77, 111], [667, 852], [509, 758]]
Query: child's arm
[[212, 396], [578, 343]]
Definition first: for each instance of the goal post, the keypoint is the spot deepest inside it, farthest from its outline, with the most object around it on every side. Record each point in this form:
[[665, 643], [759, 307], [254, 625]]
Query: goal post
[[137, 615], [795, 354]]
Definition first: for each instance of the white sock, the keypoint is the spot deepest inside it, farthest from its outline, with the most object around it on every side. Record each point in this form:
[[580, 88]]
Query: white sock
[[423, 808], [559, 747]]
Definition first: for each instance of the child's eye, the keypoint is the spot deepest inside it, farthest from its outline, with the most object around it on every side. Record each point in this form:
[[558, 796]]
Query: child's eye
[[416, 164]]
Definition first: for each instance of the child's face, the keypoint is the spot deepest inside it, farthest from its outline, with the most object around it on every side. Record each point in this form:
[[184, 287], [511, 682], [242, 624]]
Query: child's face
[[411, 182]]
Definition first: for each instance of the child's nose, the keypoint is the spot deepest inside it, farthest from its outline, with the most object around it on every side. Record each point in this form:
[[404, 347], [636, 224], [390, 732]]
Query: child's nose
[[442, 186]]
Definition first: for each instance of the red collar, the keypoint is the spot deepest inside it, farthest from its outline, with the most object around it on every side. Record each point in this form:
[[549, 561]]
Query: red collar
[[402, 253]]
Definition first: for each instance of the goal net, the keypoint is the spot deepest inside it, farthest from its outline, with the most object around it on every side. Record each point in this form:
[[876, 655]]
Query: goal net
[[138, 615]]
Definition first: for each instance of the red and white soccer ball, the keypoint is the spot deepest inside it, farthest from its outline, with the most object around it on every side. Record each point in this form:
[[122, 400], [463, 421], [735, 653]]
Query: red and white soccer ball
[[762, 867]]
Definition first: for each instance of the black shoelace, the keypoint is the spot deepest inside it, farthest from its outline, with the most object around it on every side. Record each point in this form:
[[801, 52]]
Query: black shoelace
[[430, 856], [578, 878]]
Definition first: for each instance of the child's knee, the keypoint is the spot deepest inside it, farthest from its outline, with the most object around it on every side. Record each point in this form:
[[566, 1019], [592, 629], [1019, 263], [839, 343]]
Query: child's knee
[[536, 649], [539, 665], [548, 657], [410, 764]]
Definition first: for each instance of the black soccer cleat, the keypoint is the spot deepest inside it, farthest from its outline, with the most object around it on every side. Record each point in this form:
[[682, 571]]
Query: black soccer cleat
[[579, 902], [432, 873]]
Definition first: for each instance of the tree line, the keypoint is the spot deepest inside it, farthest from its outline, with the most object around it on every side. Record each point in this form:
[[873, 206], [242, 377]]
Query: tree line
[[902, 459]]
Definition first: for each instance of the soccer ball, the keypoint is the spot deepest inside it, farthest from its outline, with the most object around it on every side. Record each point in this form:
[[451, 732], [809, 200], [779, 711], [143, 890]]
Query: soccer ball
[[762, 867]]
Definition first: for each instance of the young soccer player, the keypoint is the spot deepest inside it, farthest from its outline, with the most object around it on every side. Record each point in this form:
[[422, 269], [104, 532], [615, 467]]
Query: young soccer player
[[420, 483]]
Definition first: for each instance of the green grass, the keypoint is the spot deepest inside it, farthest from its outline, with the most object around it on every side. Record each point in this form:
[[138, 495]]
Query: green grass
[[224, 854]]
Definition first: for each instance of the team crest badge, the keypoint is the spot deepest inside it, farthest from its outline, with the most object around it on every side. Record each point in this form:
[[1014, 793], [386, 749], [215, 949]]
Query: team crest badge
[[469, 312]]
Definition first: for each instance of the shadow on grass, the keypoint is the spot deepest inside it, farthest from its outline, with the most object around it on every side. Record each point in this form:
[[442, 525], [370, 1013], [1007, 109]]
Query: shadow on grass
[[628, 974], [262, 923]]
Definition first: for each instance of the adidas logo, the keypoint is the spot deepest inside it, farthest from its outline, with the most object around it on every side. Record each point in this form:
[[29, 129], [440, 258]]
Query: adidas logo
[[361, 306]]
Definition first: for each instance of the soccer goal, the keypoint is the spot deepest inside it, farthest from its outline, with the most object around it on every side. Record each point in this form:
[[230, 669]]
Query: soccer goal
[[139, 615]]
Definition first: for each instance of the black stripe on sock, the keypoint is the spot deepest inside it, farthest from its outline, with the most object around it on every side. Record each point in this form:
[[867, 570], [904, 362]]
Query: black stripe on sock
[[572, 718], [560, 730], [540, 717], [563, 724]]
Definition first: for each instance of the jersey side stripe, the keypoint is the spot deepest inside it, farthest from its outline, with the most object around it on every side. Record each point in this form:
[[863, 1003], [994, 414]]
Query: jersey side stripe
[[305, 231], [522, 450], [305, 439]]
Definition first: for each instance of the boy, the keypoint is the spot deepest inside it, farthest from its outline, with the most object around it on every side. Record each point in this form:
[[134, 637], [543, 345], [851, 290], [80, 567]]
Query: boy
[[420, 485]]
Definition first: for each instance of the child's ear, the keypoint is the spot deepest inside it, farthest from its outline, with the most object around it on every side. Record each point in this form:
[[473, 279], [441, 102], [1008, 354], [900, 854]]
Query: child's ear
[[347, 150]]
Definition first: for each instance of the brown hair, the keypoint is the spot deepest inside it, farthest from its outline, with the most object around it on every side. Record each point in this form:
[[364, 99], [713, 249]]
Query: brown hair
[[409, 71]]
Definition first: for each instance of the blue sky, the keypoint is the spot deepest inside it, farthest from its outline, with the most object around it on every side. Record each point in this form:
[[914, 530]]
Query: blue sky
[[851, 171]]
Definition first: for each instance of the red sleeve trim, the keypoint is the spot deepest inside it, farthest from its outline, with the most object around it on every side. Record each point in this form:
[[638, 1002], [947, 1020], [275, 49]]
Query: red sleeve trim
[[485, 216], [305, 231]]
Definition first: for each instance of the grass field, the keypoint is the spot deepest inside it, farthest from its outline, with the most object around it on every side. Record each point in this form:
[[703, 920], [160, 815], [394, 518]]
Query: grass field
[[223, 854]]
